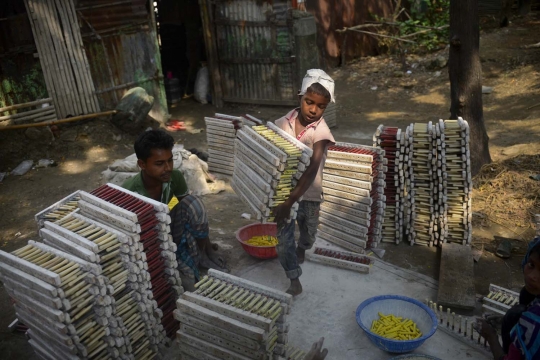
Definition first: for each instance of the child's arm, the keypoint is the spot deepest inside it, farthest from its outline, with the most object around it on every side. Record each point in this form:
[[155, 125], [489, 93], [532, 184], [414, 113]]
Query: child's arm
[[283, 211]]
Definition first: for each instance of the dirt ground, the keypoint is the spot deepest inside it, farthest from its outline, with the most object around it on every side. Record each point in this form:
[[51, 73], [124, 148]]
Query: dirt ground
[[369, 91]]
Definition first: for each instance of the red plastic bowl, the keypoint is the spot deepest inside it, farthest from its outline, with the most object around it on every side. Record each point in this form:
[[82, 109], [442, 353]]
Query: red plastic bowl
[[247, 232]]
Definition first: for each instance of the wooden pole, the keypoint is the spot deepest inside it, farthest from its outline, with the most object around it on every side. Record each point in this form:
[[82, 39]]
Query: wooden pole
[[61, 121], [28, 104], [211, 51], [37, 117], [104, 52], [47, 53], [71, 59], [26, 113], [73, 106], [40, 46]]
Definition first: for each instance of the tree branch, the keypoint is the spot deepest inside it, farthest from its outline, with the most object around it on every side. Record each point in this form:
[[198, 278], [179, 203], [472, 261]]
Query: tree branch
[[385, 36], [361, 26], [424, 31]]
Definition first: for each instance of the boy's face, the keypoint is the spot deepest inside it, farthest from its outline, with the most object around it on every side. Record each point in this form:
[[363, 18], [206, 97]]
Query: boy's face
[[312, 106], [531, 274], [159, 165]]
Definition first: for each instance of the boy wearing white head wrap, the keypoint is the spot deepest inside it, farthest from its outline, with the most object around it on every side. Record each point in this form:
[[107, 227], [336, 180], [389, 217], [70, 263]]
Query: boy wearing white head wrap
[[307, 125]]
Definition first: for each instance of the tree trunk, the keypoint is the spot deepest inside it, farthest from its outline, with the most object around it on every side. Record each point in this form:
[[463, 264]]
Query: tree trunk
[[466, 77]]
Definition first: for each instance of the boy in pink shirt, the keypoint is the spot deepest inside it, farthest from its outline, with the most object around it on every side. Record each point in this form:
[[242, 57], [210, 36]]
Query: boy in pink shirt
[[307, 125]]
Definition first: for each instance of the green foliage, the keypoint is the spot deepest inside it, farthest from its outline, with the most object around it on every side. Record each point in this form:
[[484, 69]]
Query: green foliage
[[426, 16], [21, 85], [427, 13]]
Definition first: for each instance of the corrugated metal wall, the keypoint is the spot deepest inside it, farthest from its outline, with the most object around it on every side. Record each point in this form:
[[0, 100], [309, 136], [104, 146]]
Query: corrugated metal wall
[[255, 49], [121, 44]]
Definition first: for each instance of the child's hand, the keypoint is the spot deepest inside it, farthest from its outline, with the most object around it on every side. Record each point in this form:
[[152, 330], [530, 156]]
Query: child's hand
[[485, 329], [282, 212]]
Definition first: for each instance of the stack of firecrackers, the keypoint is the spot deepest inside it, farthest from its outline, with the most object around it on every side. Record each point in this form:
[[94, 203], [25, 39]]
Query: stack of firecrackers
[[268, 164], [392, 141], [129, 313], [423, 229], [353, 185], [147, 222], [58, 210], [65, 303], [454, 181], [101, 245], [499, 300], [220, 137], [228, 317]]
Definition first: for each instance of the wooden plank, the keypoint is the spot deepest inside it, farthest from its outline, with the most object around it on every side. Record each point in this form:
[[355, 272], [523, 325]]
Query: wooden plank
[[242, 152], [201, 325], [349, 174], [348, 166], [107, 206], [31, 268], [187, 308], [70, 246], [345, 188], [456, 279], [347, 196], [230, 311], [29, 115], [110, 218], [66, 77], [253, 286], [305, 149], [28, 280], [15, 286], [216, 345], [44, 56], [238, 190], [259, 182], [350, 157], [267, 144], [343, 243], [256, 148], [51, 228], [81, 55], [344, 264], [36, 319], [25, 105], [70, 52]]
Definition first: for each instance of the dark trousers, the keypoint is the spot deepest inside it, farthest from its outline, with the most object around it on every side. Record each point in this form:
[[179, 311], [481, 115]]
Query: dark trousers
[[307, 219], [512, 316]]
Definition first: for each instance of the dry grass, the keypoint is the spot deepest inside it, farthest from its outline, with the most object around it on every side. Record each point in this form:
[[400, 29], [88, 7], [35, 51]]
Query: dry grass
[[505, 194]]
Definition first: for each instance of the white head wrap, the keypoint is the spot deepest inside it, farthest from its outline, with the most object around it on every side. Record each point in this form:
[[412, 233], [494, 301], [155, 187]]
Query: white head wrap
[[318, 76]]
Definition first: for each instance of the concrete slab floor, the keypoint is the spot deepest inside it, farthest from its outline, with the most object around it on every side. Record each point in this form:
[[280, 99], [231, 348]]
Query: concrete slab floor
[[328, 304]]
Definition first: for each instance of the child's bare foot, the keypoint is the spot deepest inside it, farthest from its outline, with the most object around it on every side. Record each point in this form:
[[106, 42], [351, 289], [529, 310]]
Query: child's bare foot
[[300, 255], [295, 288]]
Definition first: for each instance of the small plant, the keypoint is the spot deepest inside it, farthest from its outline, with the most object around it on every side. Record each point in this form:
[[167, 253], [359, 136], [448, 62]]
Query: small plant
[[428, 14], [423, 27]]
